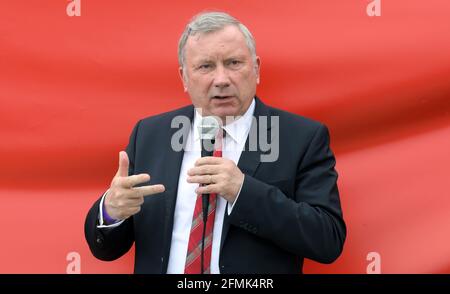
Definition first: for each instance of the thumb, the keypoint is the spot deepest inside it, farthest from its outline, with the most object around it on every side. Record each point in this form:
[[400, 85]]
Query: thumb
[[123, 164]]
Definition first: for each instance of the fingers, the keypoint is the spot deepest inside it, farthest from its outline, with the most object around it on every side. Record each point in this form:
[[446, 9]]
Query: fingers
[[128, 182], [122, 203], [204, 179], [123, 198], [204, 170], [124, 163], [134, 198], [214, 188], [150, 190], [210, 160], [140, 193], [132, 201]]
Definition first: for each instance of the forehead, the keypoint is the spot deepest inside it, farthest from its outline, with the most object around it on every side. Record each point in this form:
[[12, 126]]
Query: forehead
[[229, 40]]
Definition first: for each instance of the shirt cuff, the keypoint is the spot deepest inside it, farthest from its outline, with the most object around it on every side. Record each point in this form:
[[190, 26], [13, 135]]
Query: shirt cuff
[[101, 221], [231, 205]]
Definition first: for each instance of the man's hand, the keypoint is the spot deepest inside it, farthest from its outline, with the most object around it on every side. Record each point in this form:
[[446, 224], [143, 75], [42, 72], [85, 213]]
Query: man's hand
[[220, 175], [123, 200]]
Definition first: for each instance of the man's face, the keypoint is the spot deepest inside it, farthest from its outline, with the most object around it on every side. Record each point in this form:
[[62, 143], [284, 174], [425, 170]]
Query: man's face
[[219, 72]]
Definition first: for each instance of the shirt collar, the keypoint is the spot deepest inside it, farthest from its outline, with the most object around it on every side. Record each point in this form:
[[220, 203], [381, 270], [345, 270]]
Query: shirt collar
[[236, 130]]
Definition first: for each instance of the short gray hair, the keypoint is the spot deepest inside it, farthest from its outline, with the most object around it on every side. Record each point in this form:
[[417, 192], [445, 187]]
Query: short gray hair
[[207, 22]]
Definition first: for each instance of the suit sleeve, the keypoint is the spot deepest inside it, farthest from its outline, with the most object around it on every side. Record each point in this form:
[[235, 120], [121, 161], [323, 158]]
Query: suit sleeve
[[311, 225], [111, 243]]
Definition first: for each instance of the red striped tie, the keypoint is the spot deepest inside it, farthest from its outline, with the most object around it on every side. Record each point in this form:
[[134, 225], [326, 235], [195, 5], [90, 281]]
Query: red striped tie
[[193, 258]]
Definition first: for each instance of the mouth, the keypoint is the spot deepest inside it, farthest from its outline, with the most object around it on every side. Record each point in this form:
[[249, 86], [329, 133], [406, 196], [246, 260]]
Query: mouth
[[222, 97]]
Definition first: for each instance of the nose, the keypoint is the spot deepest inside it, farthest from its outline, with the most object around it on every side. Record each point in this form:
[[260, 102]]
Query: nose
[[221, 77]]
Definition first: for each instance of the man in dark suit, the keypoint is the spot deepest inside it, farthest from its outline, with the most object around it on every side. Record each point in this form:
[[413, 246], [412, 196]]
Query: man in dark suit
[[276, 203]]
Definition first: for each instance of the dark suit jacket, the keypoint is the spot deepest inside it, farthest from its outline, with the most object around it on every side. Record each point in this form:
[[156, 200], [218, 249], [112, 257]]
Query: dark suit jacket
[[287, 210]]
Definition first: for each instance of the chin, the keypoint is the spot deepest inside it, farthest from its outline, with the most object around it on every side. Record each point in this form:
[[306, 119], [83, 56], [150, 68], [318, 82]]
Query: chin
[[223, 112]]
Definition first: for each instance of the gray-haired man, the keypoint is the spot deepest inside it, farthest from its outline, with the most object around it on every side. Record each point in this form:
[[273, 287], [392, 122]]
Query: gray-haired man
[[267, 216]]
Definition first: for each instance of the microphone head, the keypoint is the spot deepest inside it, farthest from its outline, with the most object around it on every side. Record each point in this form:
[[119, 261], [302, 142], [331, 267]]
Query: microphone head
[[208, 128]]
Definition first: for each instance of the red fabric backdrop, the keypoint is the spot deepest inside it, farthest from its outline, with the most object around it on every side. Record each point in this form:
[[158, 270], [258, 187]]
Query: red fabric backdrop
[[71, 88]]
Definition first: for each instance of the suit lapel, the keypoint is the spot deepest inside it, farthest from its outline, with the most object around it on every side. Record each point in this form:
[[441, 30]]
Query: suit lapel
[[172, 169], [250, 158]]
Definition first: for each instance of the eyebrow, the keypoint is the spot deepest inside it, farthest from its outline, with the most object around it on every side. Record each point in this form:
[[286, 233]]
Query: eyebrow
[[207, 60], [204, 61], [236, 57]]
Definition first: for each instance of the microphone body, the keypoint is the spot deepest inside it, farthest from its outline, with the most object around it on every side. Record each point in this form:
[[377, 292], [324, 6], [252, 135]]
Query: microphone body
[[208, 130], [206, 144]]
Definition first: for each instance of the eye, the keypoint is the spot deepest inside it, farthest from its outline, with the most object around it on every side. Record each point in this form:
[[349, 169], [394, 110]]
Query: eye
[[234, 63], [205, 67]]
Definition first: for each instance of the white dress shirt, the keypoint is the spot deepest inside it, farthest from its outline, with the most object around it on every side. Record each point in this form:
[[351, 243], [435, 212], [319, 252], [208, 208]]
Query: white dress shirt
[[233, 144]]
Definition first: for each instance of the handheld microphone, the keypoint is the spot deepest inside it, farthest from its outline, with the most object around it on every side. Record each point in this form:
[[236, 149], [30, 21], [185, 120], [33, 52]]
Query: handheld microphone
[[208, 129]]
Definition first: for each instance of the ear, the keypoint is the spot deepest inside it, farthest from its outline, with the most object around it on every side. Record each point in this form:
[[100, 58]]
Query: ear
[[257, 68], [183, 78]]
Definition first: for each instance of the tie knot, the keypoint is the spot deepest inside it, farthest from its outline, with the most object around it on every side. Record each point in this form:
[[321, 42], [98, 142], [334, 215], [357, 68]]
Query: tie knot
[[218, 142]]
